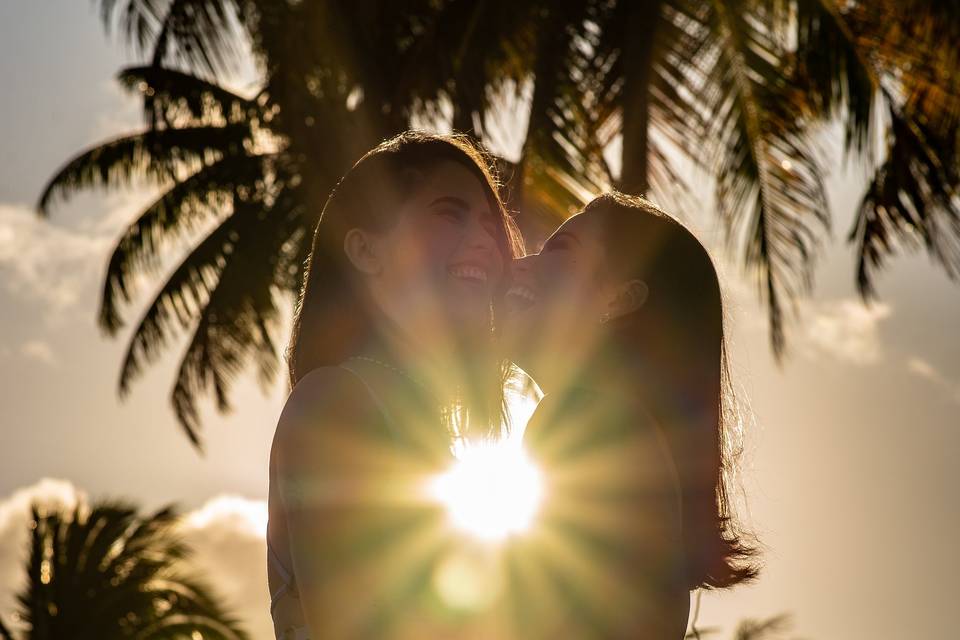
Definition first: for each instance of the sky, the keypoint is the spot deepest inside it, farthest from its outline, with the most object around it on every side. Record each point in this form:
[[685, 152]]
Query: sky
[[850, 447]]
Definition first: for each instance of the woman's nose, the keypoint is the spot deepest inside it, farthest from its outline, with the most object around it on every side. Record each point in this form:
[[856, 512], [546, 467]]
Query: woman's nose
[[522, 268], [482, 238], [524, 264]]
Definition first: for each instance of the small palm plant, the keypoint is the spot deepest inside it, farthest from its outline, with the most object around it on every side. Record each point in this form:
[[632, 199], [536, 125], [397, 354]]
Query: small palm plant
[[773, 628], [768, 629], [106, 572]]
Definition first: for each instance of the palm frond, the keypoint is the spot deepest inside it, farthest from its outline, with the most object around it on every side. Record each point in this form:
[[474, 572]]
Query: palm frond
[[170, 95], [197, 33], [674, 118], [390, 53], [913, 199], [138, 19], [492, 51], [832, 68], [562, 163], [197, 610], [238, 320], [698, 633], [763, 629], [770, 190], [226, 286], [5, 633], [904, 41], [177, 212], [157, 156], [200, 34], [182, 297], [669, 188], [684, 49], [104, 571]]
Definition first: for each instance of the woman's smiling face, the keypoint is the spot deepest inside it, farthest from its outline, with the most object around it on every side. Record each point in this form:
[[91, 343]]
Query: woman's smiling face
[[558, 296], [438, 266]]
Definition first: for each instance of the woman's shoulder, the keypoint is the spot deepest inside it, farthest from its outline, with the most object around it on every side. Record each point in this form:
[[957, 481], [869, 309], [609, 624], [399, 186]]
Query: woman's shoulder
[[328, 388], [323, 435], [325, 402]]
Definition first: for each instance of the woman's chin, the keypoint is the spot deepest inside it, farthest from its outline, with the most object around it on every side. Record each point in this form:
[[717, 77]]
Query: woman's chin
[[468, 316], [518, 330]]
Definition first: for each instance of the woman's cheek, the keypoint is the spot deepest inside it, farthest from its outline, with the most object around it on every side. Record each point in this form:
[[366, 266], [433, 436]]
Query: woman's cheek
[[420, 254], [439, 241]]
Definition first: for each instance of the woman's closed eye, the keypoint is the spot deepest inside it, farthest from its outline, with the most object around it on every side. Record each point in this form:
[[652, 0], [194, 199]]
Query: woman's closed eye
[[560, 242], [556, 245], [450, 213]]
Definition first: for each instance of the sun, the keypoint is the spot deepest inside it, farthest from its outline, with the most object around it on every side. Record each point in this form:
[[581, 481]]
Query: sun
[[492, 491]]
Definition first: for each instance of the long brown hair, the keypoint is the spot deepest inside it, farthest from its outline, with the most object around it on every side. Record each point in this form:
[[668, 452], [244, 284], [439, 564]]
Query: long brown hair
[[332, 320], [674, 345]]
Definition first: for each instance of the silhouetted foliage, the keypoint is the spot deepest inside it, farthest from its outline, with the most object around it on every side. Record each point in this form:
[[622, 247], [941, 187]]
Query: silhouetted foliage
[[774, 628], [106, 572], [739, 87]]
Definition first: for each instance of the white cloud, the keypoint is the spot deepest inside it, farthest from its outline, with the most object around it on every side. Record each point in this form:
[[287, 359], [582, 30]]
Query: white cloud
[[923, 369], [43, 261], [59, 263], [841, 329], [845, 329], [227, 535], [48, 492], [38, 350], [236, 512]]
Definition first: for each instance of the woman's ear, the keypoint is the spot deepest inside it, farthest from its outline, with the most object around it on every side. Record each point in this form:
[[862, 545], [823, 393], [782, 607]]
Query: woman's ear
[[362, 252], [629, 297]]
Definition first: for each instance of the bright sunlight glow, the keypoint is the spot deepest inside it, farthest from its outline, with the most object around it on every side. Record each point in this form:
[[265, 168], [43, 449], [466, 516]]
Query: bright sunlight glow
[[492, 491]]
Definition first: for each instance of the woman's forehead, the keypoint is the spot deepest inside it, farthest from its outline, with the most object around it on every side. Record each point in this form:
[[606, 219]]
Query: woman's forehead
[[583, 227], [449, 178]]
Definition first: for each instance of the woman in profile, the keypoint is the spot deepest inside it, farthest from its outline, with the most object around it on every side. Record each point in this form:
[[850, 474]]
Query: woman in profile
[[619, 320], [390, 364]]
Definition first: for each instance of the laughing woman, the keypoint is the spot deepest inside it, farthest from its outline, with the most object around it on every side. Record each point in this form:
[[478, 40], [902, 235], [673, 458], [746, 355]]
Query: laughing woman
[[391, 364], [619, 320]]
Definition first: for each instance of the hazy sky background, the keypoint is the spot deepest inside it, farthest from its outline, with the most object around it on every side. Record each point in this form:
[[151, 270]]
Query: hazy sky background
[[851, 450]]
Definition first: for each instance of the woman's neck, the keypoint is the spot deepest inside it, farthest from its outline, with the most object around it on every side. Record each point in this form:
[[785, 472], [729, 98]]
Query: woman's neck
[[599, 373], [432, 365]]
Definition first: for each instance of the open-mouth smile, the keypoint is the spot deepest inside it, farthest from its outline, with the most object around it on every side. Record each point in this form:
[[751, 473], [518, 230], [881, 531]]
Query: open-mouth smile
[[520, 297], [471, 273]]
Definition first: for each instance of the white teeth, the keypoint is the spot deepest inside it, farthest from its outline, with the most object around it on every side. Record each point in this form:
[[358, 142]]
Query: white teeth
[[521, 291], [469, 272]]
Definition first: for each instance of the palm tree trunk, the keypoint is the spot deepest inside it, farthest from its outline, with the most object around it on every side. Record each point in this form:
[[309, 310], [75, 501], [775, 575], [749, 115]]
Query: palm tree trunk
[[550, 39], [643, 18]]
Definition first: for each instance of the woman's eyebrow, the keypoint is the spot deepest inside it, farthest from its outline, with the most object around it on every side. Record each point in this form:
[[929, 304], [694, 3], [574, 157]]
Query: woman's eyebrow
[[457, 202]]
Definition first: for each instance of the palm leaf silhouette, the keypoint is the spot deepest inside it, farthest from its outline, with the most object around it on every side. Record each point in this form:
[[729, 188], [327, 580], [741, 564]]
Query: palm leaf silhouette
[[155, 155], [106, 572], [196, 33], [763, 629]]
